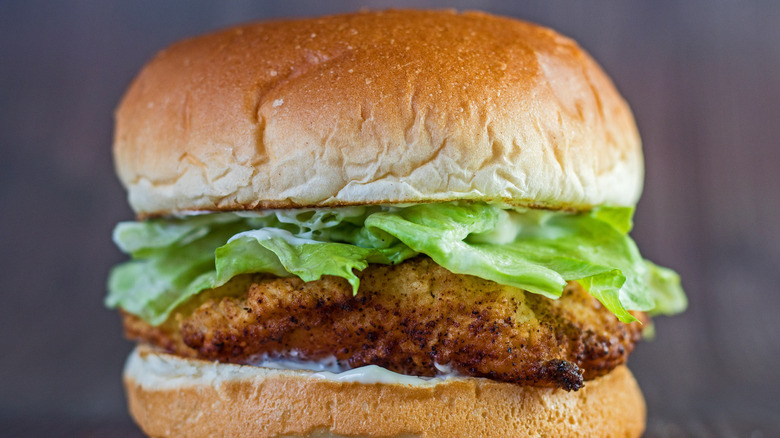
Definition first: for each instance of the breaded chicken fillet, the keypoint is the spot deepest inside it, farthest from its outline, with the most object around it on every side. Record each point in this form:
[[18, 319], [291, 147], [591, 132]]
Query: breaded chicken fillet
[[409, 318]]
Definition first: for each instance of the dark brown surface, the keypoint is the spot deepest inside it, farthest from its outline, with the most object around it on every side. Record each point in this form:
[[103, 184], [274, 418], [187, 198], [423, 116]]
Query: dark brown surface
[[701, 76]]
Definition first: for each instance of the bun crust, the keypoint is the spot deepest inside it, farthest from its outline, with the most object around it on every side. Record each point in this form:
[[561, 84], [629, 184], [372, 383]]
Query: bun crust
[[171, 397], [376, 107]]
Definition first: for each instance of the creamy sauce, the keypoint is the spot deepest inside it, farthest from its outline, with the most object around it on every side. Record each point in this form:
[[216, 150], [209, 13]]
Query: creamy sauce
[[375, 374], [292, 362], [329, 368], [269, 233], [165, 370]]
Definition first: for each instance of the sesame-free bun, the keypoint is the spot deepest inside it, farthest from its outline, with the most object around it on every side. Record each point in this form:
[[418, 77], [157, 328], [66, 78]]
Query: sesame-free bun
[[376, 107], [170, 396]]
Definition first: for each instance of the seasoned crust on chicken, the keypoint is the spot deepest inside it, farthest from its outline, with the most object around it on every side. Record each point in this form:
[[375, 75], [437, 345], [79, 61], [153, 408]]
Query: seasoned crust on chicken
[[406, 318]]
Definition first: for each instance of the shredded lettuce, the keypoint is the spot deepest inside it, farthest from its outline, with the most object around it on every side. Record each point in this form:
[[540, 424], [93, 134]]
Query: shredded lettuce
[[535, 250]]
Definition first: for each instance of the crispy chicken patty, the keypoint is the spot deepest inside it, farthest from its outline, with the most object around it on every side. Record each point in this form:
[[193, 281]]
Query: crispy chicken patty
[[406, 318]]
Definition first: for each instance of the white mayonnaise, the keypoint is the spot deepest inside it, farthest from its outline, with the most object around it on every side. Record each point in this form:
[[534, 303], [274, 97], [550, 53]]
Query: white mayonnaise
[[329, 368], [162, 371]]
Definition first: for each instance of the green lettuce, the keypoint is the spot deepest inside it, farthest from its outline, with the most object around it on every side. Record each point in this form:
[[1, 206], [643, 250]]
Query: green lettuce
[[535, 250]]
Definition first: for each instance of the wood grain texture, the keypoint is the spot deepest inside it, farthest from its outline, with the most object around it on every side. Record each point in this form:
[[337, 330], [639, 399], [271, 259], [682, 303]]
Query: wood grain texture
[[701, 76]]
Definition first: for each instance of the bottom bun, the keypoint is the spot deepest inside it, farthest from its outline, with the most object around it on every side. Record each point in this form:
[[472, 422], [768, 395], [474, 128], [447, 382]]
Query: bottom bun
[[171, 396]]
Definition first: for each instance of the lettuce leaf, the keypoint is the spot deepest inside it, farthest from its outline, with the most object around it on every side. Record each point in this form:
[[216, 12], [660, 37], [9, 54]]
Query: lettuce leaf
[[667, 292], [542, 251], [535, 250]]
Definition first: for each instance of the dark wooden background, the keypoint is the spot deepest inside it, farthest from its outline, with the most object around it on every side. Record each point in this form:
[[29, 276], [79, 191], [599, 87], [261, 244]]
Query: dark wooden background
[[703, 78]]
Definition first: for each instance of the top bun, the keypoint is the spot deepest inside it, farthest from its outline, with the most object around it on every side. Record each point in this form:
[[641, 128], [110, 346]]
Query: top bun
[[376, 108]]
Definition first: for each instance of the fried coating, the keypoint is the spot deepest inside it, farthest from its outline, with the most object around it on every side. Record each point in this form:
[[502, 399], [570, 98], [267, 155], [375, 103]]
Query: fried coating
[[407, 318]]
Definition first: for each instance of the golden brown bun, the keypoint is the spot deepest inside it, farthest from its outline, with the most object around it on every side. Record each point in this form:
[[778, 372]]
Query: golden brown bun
[[376, 107], [175, 397]]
